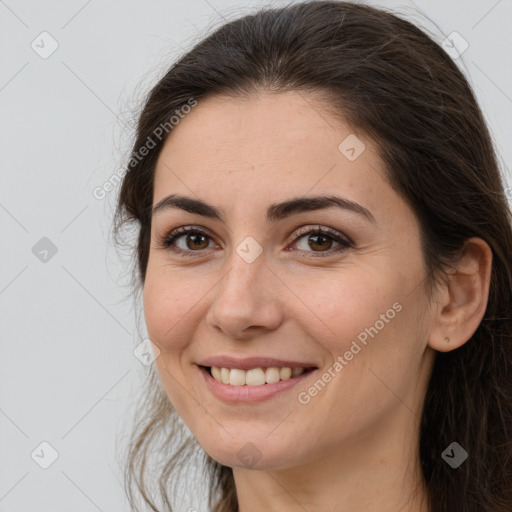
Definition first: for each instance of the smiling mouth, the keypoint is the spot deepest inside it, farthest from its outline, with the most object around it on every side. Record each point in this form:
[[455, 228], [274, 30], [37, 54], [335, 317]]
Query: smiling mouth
[[255, 376]]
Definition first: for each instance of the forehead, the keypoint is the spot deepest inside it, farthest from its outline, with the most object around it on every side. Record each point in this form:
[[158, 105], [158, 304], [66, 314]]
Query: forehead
[[283, 144]]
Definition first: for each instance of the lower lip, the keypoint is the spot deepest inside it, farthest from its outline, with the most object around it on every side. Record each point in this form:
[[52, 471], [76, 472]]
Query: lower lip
[[245, 393]]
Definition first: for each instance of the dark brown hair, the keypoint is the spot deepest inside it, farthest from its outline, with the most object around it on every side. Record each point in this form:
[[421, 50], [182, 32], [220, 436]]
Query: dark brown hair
[[388, 79]]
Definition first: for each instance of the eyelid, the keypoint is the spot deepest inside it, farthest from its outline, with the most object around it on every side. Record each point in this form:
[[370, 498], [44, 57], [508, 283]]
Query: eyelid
[[167, 240], [312, 228]]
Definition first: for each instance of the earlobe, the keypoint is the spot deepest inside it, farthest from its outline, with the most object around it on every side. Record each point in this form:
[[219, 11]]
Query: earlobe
[[462, 298]]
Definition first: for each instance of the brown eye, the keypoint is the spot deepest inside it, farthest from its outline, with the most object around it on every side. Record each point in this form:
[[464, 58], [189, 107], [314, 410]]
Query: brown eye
[[319, 242], [316, 242], [196, 241]]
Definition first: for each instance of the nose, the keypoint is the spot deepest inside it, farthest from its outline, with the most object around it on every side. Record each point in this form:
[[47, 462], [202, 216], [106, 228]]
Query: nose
[[247, 301]]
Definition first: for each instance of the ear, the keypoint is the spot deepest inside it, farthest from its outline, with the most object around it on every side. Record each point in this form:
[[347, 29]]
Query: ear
[[462, 298]]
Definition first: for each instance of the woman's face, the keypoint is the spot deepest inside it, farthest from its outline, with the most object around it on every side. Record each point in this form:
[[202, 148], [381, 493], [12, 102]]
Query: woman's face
[[255, 284]]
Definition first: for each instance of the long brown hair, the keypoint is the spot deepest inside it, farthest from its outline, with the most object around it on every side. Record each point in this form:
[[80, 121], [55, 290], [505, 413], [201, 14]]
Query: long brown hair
[[387, 78]]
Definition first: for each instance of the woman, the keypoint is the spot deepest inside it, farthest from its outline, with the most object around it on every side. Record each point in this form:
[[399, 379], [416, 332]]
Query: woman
[[325, 255]]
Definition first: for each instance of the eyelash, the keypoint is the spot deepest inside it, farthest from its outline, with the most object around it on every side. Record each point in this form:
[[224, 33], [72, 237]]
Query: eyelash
[[167, 242]]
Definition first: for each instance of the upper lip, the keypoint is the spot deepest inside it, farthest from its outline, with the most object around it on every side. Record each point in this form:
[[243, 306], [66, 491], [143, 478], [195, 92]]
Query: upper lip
[[252, 362]]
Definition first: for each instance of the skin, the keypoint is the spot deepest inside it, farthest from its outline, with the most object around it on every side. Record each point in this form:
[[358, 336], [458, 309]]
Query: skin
[[354, 445]]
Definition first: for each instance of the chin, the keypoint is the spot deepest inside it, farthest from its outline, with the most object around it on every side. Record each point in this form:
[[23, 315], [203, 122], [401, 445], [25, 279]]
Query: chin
[[252, 453]]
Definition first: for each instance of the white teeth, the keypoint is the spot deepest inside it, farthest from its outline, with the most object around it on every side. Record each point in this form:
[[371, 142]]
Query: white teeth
[[254, 376], [285, 373], [237, 377], [272, 375], [224, 375], [216, 373]]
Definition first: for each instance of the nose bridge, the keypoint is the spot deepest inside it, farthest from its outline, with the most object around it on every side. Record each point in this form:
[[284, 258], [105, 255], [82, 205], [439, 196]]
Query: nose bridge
[[246, 266], [244, 296], [245, 279]]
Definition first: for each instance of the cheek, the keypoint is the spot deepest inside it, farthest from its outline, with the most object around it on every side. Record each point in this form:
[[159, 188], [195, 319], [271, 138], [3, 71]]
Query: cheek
[[375, 326], [168, 308], [169, 316], [342, 309]]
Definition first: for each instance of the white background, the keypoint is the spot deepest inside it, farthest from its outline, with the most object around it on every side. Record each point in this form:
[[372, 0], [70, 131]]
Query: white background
[[68, 375]]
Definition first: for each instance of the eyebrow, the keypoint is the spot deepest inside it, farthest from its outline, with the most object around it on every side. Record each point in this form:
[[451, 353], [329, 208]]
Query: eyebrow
[[275, 212]]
